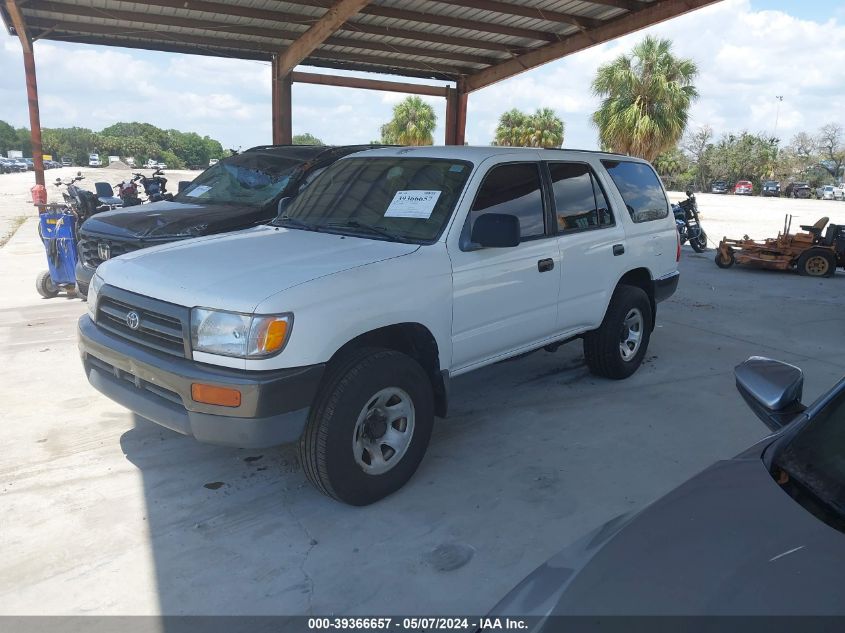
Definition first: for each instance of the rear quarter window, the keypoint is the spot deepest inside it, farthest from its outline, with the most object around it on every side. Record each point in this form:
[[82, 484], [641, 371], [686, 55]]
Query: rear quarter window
[[640, 188]]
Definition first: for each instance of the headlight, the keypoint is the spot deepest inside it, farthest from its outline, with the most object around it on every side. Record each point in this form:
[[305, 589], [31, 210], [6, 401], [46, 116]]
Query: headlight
[[93, 291], [240, 335]]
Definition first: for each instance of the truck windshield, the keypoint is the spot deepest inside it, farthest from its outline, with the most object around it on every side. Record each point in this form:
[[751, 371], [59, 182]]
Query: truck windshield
[[406, 199], [815, 456], [250, 179]]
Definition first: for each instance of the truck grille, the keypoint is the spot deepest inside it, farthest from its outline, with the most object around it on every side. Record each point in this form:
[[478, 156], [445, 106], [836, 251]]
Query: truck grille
[[90, 249], [148, 322]]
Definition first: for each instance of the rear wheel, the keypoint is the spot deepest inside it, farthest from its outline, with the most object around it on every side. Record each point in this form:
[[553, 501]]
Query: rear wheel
[[617, 348], [45, 286], [699, 242], [369, 427], [817, 262]]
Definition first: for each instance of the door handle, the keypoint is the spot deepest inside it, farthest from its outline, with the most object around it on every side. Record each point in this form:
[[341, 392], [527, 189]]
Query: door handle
[[545, 265], [618, 249]]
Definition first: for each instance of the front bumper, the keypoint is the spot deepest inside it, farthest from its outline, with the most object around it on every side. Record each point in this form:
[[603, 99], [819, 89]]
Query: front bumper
[[274, 404], [83, 277]]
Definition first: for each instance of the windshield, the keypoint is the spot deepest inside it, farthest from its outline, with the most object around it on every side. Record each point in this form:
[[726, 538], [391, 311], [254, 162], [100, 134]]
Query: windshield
[[815, 456], [251, 179], [400, 199]]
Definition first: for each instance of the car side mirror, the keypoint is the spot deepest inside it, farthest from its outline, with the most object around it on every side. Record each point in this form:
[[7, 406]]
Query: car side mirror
[[495, 230], [183, 184], [772, 389], [689, 193]]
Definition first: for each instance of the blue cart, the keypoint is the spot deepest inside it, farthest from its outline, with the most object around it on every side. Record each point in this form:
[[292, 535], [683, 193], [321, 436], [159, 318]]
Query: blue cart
[[57, 229]]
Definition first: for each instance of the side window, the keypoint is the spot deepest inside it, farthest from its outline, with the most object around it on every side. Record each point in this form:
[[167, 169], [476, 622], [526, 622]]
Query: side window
[[640, 188], [513, 189], [579, 201]]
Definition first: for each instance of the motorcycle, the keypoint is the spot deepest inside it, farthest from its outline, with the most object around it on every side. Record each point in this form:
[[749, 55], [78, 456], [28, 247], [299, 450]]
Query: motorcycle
[[155, 186], [127, 191], [688, 224], [83, 203]]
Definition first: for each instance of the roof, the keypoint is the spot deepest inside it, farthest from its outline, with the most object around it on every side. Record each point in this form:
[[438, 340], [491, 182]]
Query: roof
[[476, 41], [481, 152]]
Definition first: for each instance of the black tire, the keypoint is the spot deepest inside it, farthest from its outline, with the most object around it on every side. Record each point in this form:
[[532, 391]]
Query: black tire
[[699, 243], [602, 347], [326, 447], [817, 262], [45, 286], [722, 264]]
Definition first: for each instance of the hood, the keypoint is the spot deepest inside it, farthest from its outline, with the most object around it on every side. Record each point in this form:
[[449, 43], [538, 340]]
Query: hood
[[173, 219], [236, 271], [729, 541]]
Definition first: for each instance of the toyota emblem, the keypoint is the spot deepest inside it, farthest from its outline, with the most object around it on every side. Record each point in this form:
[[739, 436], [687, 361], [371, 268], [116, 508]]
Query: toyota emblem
[[103, 250], [133, 320]]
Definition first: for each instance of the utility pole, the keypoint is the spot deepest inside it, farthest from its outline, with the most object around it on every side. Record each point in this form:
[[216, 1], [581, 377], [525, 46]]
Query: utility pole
[[777, 114]]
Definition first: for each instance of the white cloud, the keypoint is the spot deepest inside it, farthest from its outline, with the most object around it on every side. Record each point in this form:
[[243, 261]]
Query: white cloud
[[746, 57]]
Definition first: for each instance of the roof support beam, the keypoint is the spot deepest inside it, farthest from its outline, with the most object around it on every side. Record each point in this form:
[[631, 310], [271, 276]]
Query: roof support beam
[[628, 5], [282, 105], [368, 84], [507, 8], [658, 11], [456, 115], [308, 42], [31, 88]]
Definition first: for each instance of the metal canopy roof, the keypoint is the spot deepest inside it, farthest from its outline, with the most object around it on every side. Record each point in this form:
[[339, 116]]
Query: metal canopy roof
[[474, 42]]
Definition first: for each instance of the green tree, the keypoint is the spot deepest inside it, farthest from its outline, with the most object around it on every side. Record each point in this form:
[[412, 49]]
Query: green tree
[[646, 96], [695, 144], [306, 139], [511, 130], [8, 138], [831, 144], [541, 129], [413, 123]]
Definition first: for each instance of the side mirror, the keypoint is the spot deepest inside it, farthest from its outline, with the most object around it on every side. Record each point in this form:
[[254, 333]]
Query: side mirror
[[183, 184], [496, 230], [689, 193], [772, 389]]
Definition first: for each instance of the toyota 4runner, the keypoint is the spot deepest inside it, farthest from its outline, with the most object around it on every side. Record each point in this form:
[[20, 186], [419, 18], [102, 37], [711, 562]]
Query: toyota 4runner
[[340, 324]]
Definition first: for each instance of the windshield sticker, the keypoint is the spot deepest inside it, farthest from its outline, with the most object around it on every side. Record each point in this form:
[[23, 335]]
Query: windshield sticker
[[197, 191], [413, 203]]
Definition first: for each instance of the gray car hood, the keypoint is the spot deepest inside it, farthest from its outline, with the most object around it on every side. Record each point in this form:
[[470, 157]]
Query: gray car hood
[[727, 542]]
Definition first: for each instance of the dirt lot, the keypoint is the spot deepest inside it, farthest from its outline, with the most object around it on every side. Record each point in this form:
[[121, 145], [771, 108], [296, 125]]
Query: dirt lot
[[105, 513]]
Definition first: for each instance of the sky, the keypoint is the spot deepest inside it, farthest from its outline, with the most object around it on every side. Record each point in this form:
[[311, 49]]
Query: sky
[[747, 51]]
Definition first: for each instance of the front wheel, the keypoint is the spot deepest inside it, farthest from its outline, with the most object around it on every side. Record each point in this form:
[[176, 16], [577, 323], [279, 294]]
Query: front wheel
[[369, 426], [699, 242], [617, 348]]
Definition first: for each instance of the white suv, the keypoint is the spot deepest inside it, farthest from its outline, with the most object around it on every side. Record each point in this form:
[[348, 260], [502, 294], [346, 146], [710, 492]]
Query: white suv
[[340, 324]]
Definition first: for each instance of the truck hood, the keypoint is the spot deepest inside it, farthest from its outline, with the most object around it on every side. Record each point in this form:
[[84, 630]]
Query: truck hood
[[236, 271], [170, 219], [727, 542]]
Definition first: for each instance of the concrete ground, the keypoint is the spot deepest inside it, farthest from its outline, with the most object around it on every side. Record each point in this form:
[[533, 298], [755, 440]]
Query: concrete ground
[[104, 513]]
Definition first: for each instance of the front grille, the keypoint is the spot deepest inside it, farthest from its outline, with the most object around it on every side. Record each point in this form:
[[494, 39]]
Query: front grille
[[161, 326], [89, 249]]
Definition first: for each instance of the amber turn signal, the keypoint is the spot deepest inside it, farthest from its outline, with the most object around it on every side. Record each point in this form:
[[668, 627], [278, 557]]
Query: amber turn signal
[[272, 336], [221, 396]]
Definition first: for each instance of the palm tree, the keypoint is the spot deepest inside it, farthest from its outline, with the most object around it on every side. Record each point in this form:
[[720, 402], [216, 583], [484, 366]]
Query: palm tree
[[511, 129], [646, 97], [541, 129], [413, 123], [545, 129]]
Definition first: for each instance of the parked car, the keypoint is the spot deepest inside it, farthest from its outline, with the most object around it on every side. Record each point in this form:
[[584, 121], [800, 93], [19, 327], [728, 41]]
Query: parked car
[[801, 190], [839, 192], [5, 166], [66, 161], [341, 323], [827, 193], [771, 188], [94, 160], [759, 534], [744, 188], [237, 193], [30, 164], [719, 186], [213, 161], [20, 164]]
